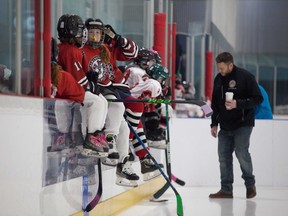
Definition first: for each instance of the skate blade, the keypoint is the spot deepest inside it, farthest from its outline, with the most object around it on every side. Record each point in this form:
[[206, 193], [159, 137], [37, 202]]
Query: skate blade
[[125, 182], [158, 144], [91, 153], [152, 199], [68, 152], [109, 162], [87, 161], [158, 147], [150, 175]]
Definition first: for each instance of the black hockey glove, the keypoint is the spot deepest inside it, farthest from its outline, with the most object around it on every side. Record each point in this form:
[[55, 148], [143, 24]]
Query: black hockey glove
[[92, 76], [111, 35]]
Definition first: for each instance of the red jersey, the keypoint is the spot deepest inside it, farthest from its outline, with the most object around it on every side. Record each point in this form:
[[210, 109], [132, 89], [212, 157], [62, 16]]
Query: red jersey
[[68, 88], [109, 72], [70, 58]]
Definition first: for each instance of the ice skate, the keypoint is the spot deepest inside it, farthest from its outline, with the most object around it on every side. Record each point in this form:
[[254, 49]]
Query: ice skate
[[113, 154], [156, 138], [125, 174], [93, 147], [59, 147], [149, 169], [77, 142]]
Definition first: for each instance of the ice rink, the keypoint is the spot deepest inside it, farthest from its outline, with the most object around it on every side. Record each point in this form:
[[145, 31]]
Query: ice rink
[[269, 201]]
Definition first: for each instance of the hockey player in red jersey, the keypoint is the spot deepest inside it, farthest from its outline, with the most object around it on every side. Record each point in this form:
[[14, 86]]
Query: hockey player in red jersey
[[98, 58], [70, 32], [133, 112]]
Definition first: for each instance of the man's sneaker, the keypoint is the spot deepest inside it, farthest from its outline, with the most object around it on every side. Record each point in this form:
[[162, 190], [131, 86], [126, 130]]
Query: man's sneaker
[[93, 147], [221, 194], [113, 154], [149, 169], [251, 192], [125, 174]]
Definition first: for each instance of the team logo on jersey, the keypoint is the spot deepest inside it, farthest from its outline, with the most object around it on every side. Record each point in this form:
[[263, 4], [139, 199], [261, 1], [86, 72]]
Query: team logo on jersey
[[232, 84], [101, 68]]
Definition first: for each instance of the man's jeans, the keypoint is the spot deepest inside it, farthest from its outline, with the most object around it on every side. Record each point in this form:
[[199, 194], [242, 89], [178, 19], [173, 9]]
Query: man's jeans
[[229, 141]]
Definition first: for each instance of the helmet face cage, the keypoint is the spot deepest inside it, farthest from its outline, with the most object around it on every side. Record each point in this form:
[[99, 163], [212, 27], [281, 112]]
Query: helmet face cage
[[95, 24]]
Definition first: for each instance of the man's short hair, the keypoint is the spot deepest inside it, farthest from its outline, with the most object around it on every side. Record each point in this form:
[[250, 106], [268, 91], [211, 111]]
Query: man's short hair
[[224, 57]]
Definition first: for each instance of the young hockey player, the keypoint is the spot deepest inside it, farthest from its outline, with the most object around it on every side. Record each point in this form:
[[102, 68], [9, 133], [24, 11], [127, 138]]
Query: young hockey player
[[70, 32], [145, 65], [100, 60]]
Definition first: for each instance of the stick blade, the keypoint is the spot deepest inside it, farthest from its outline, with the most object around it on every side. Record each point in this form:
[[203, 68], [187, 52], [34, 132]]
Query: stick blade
[[179, 205], [207, 110]]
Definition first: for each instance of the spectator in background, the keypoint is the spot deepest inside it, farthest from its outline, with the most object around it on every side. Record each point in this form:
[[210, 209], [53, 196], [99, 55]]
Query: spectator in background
[[5, 74], [263, 110]]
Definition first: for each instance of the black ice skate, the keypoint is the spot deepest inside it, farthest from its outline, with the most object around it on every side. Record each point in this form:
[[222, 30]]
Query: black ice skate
[[125, 174], [149, 169]]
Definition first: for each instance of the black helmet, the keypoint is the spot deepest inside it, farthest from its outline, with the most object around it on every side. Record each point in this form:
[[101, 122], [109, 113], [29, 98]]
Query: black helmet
[[143, 57], [70, 26], [92, 23]]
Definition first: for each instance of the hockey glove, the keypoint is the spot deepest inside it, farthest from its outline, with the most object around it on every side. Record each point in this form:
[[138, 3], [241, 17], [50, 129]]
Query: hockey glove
[[92, 76], [111, 35]]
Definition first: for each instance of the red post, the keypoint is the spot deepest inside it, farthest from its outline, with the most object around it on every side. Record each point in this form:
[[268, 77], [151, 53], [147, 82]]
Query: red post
[[159, 35], [37, 38], [209, 75], [173, 59], [47, 48]]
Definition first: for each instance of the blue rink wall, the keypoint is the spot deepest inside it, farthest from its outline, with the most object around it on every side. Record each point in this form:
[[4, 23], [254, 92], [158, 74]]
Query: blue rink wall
[[26, 133]]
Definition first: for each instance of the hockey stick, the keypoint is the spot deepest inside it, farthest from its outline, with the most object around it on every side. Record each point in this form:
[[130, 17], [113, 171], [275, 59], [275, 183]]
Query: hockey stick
[[162, 190], [204, 106], [177, 180], [98, 195], [178, 197], [85, 193]]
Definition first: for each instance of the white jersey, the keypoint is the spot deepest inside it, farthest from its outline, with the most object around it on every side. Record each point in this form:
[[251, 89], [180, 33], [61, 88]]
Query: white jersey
[[134, 75], [139, 83]]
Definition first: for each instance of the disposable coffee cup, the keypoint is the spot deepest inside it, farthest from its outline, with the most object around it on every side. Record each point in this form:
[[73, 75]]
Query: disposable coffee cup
[[229, 96]]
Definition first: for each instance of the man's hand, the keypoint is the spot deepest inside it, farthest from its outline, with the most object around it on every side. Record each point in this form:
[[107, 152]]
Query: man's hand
[[231, 104], [214, 131]]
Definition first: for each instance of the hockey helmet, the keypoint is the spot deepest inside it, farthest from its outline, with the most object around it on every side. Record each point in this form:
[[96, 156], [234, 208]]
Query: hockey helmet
[[92, 23], [70, 26], [159, 73], [144, 57], [157, 57]]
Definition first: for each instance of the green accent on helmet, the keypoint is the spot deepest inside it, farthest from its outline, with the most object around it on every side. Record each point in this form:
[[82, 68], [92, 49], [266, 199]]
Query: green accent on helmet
[[157, 71]]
